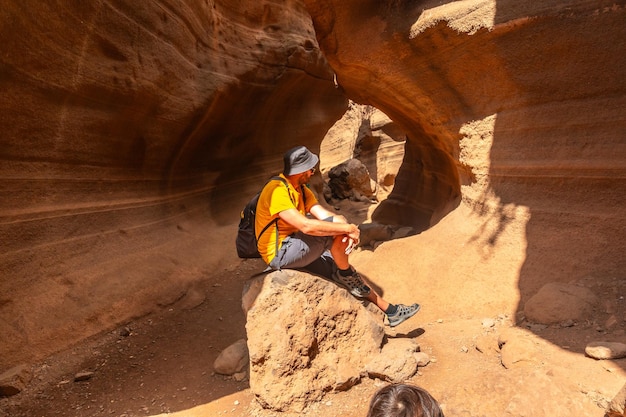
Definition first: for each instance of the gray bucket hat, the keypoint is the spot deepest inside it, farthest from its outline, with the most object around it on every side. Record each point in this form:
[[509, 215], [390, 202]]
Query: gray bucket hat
[[298, 160]]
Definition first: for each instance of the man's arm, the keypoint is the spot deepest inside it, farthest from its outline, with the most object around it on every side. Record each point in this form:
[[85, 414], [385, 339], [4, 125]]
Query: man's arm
[[317, 227], [321, 213]]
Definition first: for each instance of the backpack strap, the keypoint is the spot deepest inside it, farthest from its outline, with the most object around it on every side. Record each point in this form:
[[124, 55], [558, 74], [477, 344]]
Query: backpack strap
[[275, 220]]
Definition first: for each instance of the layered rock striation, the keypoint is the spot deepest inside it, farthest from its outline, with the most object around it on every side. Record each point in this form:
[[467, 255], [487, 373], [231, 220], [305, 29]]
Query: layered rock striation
[[505, 106], [129, 131]]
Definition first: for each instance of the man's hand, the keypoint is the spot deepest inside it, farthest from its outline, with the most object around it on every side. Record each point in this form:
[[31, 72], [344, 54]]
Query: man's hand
[[351, 239], [351, 244]]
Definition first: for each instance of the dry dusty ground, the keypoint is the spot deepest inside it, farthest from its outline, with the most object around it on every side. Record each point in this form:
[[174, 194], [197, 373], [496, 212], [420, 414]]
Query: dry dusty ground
[[162, 364]]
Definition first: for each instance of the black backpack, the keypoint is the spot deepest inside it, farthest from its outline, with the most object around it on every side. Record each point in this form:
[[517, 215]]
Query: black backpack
[[246, 241]]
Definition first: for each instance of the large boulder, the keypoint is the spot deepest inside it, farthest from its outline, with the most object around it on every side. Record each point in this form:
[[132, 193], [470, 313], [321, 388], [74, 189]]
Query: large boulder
[[556, 303], [307, 336], [351, 180]]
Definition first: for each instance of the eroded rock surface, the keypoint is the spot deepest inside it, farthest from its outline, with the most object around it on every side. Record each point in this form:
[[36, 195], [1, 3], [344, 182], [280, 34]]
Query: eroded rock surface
[[511, 105], [307, 336], [131, 134]]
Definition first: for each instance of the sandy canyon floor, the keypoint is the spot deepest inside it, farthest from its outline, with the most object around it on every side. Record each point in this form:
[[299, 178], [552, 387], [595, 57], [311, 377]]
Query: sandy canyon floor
[[162, 364]]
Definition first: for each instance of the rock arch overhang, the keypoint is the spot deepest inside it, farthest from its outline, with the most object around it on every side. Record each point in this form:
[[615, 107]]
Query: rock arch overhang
[[545, 77]]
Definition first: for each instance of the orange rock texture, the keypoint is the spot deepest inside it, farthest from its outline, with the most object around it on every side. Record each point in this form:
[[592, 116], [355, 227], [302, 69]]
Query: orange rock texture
[[549, 76], [119, 121], [132, 132], [506, 106]]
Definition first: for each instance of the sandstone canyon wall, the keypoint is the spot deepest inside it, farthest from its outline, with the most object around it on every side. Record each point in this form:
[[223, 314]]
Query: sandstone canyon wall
[[129, 130], [506, 105]]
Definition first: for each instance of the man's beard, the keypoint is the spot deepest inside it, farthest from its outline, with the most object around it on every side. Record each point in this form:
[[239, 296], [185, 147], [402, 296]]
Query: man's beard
[[303, 180]]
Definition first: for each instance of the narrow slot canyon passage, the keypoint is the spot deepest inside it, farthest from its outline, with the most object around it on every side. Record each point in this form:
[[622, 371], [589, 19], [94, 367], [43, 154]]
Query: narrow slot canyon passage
[[490, 139]]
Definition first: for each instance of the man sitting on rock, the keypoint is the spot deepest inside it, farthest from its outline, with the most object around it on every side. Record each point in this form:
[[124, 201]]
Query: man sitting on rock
[[310, 237]]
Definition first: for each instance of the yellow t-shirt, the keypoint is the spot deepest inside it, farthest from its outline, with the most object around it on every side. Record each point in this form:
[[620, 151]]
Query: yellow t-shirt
[[273, 199]]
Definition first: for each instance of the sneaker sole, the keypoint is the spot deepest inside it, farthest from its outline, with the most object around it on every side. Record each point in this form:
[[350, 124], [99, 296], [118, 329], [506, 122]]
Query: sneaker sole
[[359, 295]]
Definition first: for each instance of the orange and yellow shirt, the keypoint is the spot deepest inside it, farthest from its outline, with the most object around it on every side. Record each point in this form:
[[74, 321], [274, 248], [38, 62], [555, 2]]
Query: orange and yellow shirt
[[275, 198]]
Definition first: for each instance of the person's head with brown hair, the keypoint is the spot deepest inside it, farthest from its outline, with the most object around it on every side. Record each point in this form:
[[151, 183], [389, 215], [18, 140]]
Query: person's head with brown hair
[[403, 400]]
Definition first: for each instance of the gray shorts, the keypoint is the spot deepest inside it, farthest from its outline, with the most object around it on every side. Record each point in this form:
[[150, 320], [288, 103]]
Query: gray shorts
[[302, 251]]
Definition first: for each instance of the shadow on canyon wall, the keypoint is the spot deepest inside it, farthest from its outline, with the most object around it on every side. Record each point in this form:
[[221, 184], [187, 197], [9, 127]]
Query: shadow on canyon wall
[[562, 153], [550, 78]]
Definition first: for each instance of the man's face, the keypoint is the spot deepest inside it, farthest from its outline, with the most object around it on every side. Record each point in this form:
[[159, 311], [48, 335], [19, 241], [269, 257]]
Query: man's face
[[305, 177]]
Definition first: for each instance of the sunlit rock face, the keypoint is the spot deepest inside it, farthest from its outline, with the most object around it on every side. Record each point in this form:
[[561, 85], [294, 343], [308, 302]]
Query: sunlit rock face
[[546, 83], [516, 108], [365, 133], [132, 132]]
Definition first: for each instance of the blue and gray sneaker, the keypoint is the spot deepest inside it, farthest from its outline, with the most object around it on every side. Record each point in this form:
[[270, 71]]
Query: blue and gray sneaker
[[402, 313]]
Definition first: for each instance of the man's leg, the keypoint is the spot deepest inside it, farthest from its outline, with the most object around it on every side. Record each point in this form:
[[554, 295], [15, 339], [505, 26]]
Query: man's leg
[[338, 250], [302, 251], [349, 277]]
